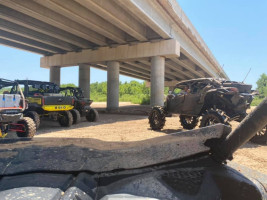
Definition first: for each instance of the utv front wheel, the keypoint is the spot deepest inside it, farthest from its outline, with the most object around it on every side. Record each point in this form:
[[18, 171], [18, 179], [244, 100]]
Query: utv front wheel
[[212, 117], [35, 117], [27, 128], [76, 116], [260, 137], [188, 122], [65, 119], [92, 115], [157, 118]]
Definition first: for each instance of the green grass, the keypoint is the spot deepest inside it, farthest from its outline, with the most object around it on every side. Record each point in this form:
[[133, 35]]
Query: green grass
[[256, 101]]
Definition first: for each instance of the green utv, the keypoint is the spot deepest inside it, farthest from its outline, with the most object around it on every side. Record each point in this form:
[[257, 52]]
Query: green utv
[[45, 101], [12, 105], [81, 104]]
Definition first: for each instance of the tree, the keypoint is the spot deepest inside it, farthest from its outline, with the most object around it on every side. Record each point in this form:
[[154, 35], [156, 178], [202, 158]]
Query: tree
[[68, 85], [262, 85]]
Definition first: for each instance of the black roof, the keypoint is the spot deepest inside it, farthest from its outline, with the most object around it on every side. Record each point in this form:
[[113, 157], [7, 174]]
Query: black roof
[[31, 82], [6, 83]]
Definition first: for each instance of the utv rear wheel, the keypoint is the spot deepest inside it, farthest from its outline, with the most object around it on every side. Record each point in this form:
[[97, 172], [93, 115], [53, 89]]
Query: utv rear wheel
[[35, 117], [65, 119], [157, 118], [76, 116], [188, 122], [212, 117], [28, 129], [260, 137], [92, 115]]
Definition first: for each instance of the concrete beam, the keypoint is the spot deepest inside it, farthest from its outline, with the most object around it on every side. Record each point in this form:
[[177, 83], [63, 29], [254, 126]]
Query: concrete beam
[[22, 46], [134, 76], [178, 69], [43, 14], [132, 73], [168, 73], [189, 66], [147, 16], [136, 69], [34, 35], [113, 85], [81, 15], [171, 70], [166, 48], [110, 11], [122, 72], [32, 28], [55, 75], [84, 80], [29, 42], [157, 81]]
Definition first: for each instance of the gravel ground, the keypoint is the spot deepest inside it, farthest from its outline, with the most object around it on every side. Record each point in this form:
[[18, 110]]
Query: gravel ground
[[115, 127]]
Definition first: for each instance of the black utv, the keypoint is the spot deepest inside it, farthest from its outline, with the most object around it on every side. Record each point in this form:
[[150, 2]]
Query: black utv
[[81, 104], [213, 100], [44, 101], [12, 105]]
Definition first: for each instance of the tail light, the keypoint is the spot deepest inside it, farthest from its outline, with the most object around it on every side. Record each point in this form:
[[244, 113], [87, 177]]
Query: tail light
[[43, 101], [72, 101]]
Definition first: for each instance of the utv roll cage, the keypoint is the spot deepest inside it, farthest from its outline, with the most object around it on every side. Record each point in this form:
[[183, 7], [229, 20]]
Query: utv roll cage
[[40, 87]]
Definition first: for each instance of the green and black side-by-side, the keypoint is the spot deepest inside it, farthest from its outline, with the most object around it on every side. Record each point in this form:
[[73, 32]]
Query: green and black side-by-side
[[81, 104]]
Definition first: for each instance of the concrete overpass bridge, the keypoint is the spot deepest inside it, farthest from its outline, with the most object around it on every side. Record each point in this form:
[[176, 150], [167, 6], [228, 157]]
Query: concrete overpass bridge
[[151, 40]]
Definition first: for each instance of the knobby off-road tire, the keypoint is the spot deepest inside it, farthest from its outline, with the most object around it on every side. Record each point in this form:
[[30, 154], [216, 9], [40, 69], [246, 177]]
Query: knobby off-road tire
[[212, 117], [29, 128], [65, 119], [260, 137], [188, 122], [157, 118], [35, 117], [76, 116], [92, 115]]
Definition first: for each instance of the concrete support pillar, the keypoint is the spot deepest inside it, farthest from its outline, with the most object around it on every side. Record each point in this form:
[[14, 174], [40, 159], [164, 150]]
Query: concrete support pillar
[[55, 75], [113, 68], [84, 80], [157, 81]]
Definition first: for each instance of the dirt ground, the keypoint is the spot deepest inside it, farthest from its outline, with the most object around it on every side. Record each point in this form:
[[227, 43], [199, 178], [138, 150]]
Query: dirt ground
[[120, 127]]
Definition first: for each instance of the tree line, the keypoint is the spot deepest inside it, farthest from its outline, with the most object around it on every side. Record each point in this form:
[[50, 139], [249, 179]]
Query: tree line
[[137, 92]]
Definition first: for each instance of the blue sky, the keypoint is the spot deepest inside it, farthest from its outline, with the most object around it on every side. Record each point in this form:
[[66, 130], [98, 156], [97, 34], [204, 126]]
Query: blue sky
[[235, 31]]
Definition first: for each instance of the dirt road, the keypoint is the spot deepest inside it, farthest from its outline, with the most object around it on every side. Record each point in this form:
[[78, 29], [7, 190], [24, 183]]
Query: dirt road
[[114, 127]]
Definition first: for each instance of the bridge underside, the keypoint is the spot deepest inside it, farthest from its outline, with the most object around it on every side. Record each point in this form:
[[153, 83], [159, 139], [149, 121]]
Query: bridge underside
[[151, 40]]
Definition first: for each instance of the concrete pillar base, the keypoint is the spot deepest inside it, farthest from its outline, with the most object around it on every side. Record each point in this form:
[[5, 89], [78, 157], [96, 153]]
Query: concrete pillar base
[[113, 69], [84, 80], [55, 75], [157, 81]]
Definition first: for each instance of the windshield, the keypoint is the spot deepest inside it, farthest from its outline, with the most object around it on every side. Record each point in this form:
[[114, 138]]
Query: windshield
[[35, 88]]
